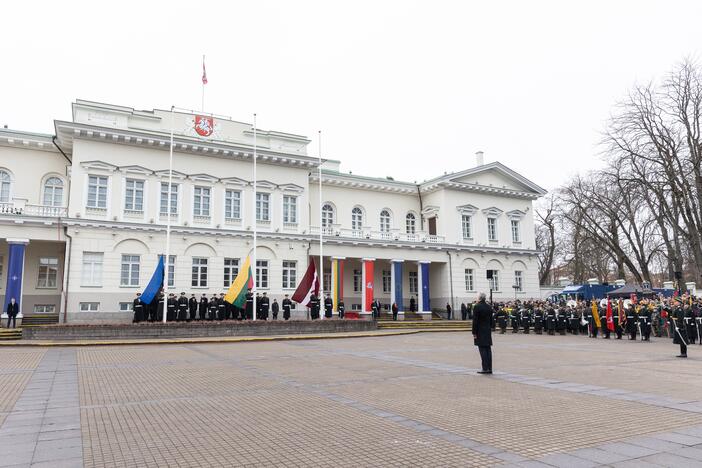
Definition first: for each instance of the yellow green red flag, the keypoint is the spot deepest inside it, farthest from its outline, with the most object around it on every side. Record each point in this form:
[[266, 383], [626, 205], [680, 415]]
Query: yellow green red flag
[[240, 286], [596, 314]]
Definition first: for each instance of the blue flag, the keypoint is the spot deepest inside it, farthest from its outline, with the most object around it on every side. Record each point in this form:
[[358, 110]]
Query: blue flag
[[155, 284]]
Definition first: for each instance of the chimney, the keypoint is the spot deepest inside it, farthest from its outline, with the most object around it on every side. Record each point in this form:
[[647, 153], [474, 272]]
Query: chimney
[[479, 159]]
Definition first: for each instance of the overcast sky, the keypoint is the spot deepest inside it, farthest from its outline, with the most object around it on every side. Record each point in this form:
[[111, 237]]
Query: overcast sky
[[409, 88]]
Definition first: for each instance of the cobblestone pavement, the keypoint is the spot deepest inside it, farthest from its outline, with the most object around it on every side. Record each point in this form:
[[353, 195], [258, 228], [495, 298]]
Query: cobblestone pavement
[[411, 400]]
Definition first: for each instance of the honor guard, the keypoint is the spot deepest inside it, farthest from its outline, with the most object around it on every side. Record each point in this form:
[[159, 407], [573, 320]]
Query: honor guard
[[551, 320], [501, 318], [172, 307], [562, 320], [160, 307], [265, 306], [212, 308], [221, 307], [138, 308], [328, 305], [202, 307], [677, 323], [538, 320], [192, 307], [514, 319], [275, 308], [690, 325], [287, 305], [525, 319], [631, 322], [314, 307], [645, 322], [342, 309], [182, 308], [249, 305]]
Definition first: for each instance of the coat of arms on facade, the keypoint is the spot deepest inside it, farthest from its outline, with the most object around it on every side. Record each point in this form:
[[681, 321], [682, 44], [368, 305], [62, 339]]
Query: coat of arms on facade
[[203, 125]]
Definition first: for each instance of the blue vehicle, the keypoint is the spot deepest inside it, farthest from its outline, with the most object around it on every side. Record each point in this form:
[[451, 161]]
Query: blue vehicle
[[585, 292]]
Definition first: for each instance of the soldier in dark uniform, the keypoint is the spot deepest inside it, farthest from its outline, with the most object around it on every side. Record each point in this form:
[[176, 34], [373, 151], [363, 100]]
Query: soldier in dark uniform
[[287, 305], [679, 329], [617, 326], [573, 322], [690, 325], [171, 308], [645, 322], [213, 308], [328, 306], [265, 306], [138, 309], [464, 311], [192, 307], [249, 305], [342, 309], [314, 307], [538, 320], [160, 306], [501, 317], [259, 307], [221, 307], [631, 322], [551, 320], [275, 308], [525, 318], [562, 320], [374, 309], [514, 319], [202, 307], [603, 322], [413, 305], [182, 308]]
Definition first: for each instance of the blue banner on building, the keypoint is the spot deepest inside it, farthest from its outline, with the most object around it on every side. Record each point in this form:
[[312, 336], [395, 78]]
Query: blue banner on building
[[397, 273], [425, 286], [15, 268]]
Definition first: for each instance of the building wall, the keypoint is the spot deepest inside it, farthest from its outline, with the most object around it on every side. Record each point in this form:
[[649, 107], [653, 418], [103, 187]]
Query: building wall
[[29, 169]]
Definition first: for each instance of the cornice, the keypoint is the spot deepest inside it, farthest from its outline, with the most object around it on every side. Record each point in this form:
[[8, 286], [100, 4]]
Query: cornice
[[364, 183], [26, 140]]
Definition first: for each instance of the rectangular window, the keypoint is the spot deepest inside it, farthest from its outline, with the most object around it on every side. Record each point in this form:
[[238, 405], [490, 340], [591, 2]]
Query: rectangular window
[[289, 209], [386, 281], [413, 282], [289, 274], [164, 199], [263, 207], [232, 204], [467, 226], [356, 307], [125, 306], [518, 281], [89, 306], [44, 309], [492, 229], [171, 270], [201, 202], [97, 192], [48, 271], [134, 195], [130, 270], [92, 269], [231, 269], [326, 284], [470, 284], [357, 280], [199, 272], [262, 274], [493, 277], [516, 237]]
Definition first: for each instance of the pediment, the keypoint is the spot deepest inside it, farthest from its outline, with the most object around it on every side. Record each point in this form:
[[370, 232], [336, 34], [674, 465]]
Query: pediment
[[176, 175], [204, 178], [492, 211], [467, 209], [265, 184], [136, 170], [498, 176], [516, 214], [234, 181], [99, 166], [291, 188]]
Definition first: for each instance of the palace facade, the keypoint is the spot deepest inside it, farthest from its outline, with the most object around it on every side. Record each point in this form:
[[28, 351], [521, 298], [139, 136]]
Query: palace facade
[[83, 216]]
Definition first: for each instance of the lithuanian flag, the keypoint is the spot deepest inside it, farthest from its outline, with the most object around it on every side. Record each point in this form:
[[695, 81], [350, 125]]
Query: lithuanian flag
[[596, 314], [242, 283]]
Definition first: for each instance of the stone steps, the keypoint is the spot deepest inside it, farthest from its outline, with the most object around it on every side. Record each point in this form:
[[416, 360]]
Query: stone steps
[[10, 334]]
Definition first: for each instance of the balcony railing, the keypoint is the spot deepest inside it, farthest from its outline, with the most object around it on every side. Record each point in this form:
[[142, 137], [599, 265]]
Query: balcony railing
[[378, 235], [32, 210]]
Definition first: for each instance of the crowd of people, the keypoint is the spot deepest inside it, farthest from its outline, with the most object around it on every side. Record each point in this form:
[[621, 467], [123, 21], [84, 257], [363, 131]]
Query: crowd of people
[[678, 318]]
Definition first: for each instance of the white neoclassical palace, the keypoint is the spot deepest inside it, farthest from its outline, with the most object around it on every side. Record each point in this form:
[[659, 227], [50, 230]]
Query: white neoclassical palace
[[83, 218]]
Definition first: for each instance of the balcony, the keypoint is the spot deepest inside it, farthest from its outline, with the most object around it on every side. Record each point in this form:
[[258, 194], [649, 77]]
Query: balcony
[[14, 208], [378, 235]]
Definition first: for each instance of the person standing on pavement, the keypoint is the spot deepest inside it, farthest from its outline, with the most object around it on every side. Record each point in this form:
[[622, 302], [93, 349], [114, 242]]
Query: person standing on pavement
[[482, 333], [12, 311]]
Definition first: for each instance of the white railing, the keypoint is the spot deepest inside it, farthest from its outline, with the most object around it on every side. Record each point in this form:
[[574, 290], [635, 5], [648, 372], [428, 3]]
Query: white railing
[[232, 221], [33, 210], [290, 226], [201, 219], [378, 235]]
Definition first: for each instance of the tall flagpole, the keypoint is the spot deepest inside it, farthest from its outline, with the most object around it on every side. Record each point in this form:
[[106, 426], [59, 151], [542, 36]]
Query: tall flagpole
[[321, 242], [168, 220], [204, 80], [255, 219]]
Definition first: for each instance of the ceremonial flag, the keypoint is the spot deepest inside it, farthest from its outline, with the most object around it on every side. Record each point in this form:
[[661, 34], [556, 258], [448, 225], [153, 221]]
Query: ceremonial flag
[[240, 286], [308, 286], [620, 310], [337, 286], [610, 319], [204, 72], [595, 314], [155, 283]]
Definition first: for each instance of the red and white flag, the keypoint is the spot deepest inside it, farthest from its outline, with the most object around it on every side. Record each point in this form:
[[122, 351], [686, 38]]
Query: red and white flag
[[204, 72], [308, 286]]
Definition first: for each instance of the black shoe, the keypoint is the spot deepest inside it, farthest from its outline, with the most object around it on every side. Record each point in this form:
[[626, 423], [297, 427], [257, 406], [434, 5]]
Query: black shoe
[[484, 372], [681, 355]]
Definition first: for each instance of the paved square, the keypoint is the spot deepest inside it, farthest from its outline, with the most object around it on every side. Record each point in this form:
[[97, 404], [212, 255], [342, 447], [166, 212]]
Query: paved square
[[411, 400]]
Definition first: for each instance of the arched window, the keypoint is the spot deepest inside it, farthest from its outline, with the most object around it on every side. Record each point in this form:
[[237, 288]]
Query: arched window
[[327, 215], [357, 219], [385, 221], [410, 223], [4, 187], [53, 192]]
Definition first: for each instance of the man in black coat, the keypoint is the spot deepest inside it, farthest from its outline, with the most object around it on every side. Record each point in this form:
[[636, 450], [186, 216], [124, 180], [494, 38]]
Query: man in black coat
[[182, 314], [287, 305], [12, 311], [192, 307], [464, 311], [275, 308], [137, 307], [203, 306], [482, 329], [265, 306], [328, 306]]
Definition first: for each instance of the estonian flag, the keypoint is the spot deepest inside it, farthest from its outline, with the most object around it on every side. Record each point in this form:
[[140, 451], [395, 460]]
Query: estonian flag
[[155, 284]]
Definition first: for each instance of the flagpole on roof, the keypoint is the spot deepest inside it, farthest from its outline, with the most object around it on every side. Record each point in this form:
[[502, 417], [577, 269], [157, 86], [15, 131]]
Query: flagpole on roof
[[168, 218], [255, 219], [321, 238], [204, 82]]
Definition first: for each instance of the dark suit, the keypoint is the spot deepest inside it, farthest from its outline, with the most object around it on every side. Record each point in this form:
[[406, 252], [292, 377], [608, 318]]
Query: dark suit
[[12, 311], [482, 329]]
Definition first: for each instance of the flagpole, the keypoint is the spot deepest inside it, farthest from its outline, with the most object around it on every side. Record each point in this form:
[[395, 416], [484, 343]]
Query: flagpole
[[168, 220], [202, 108], [321, 241], [255, 219]]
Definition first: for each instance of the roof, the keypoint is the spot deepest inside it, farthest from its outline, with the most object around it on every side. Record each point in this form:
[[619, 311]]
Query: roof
[[573, 289], [629, 289]]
